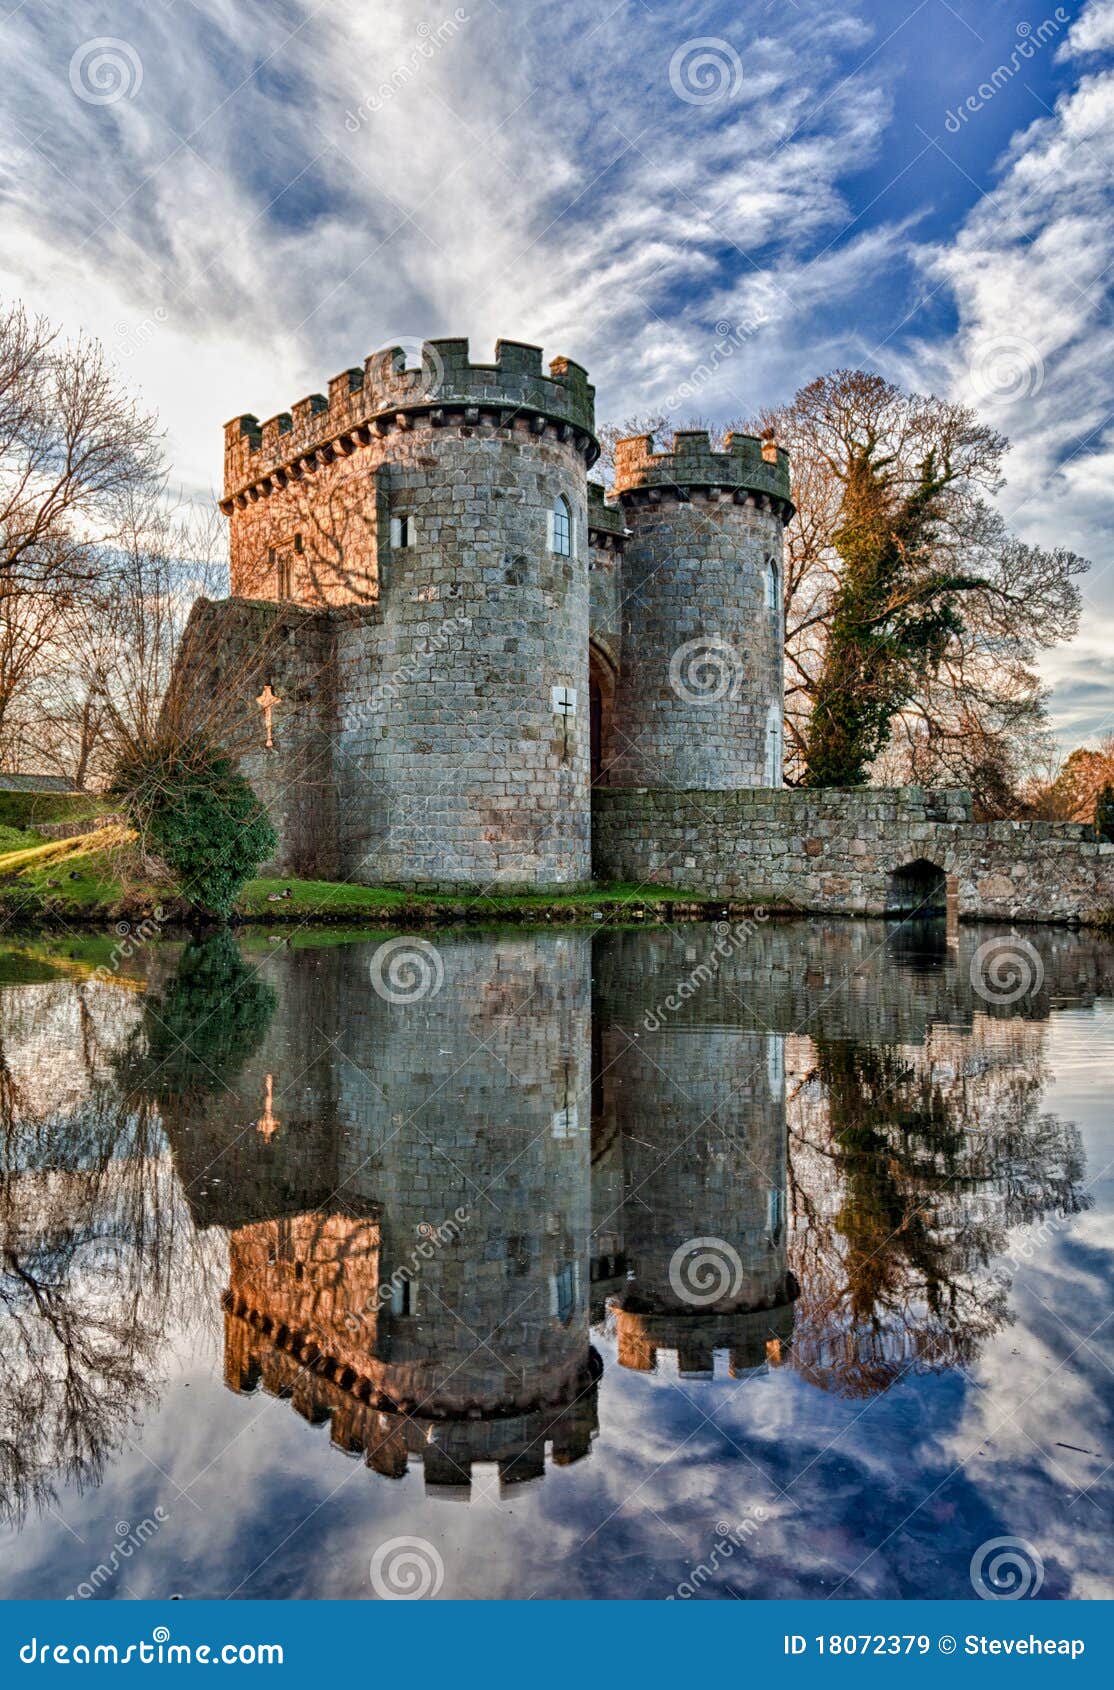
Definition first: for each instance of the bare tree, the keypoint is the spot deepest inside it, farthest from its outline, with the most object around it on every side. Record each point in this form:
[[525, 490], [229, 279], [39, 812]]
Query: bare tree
[[117, 650], [76, 454]]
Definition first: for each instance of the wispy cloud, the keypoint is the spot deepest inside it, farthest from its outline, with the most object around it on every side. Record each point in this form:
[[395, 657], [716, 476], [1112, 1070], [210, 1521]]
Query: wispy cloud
[[277, 189]]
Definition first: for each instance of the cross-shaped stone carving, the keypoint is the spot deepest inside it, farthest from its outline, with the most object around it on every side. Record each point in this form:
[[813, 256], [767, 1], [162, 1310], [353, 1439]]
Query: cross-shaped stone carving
[[563, 700], [268, 1123], [266, 701]]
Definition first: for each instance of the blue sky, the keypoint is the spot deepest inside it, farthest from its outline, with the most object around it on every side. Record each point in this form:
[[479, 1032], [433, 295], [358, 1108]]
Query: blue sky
[[243, 198]]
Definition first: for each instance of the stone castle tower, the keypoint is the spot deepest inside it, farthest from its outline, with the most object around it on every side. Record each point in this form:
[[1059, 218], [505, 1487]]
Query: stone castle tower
[[456, 634]]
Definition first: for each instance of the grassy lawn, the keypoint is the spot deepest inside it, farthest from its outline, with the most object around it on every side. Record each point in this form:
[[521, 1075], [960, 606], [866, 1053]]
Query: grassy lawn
[[264, 900], [88, 888], [17, 839], [86, 885]]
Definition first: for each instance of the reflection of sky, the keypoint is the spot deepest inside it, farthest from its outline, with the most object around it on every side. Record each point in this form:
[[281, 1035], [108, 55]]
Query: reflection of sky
[[891, 1495]]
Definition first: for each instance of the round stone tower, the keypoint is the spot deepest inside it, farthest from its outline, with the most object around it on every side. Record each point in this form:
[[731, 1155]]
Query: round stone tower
[[437, 517], [700, 694]]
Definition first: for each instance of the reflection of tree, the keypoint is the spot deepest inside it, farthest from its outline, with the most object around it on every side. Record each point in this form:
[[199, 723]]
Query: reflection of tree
[[98, 1254], [909, 1168], [209, 1021]]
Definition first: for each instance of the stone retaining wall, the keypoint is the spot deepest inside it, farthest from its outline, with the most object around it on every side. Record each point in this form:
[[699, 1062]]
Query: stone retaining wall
[[834, 852]]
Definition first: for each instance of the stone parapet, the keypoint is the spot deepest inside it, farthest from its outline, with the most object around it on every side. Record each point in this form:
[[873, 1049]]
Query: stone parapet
[[385, 393], [748, 464], [850, 853]]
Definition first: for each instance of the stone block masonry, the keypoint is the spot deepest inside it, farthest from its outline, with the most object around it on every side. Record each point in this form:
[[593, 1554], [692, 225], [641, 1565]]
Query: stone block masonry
[[484, 671], [850, 853]]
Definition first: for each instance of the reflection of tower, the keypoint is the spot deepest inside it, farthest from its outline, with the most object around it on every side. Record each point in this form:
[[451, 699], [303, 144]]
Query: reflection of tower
[[429, 1297], [689, 1192]]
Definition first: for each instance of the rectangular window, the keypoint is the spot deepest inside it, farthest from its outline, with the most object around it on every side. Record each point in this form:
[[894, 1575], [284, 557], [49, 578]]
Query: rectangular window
[[559, 525], [402, 531]]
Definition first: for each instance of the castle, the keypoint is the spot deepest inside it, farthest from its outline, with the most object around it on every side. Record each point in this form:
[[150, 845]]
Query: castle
[[454, 662], [474, 635]]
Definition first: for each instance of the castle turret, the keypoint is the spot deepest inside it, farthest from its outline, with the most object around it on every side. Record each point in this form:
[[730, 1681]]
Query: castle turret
[[436, 518], [700, 693], [690, 1234]]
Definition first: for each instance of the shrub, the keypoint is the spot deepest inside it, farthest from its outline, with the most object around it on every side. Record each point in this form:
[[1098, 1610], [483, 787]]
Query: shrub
[[200, 815]]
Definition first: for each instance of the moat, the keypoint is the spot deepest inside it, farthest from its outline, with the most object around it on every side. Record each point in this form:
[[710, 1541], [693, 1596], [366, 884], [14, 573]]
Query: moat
[[710, 1262]]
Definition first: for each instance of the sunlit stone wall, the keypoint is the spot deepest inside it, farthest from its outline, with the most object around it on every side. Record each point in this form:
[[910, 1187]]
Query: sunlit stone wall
[[834, 851]]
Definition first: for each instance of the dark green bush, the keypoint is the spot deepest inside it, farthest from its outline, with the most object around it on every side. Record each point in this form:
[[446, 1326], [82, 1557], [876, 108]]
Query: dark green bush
[[198, 812]]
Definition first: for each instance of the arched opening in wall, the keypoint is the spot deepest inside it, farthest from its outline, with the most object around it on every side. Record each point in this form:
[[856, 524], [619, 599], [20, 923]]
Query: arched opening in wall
[[919, 888], [601, 699]]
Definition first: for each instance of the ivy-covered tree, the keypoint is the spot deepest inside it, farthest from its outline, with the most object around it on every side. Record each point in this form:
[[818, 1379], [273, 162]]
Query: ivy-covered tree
[[912, 616]]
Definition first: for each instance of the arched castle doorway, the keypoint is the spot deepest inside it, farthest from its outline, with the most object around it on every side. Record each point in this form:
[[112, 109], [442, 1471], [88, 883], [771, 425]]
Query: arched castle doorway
[[601, 701]]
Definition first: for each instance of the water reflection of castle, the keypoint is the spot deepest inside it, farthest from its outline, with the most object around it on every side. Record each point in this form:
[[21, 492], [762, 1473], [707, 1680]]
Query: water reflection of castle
[[430, 1202]]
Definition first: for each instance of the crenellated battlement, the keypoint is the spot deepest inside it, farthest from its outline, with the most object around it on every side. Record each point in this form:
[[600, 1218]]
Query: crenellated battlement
[[749, 466], [751, 1337], [444, 385], [389, 1435]]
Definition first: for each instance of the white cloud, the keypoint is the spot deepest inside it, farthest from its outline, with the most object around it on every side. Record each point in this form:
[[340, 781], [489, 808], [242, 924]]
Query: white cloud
[[288, 187], [1029, 271]]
